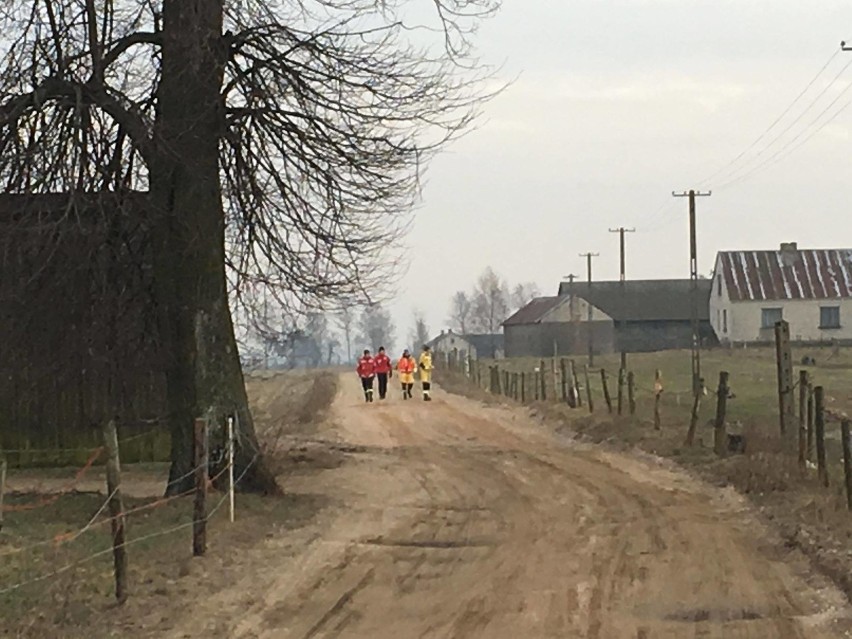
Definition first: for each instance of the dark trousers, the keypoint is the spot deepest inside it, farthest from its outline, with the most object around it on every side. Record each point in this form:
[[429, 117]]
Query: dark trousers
[[367, 384], [383, 384]]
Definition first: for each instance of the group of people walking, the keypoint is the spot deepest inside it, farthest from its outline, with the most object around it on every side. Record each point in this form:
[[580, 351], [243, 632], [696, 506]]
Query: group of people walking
[[381, 368]]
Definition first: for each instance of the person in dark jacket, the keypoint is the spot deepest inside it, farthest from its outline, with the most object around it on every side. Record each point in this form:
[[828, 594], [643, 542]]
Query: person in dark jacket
[[384, 371]]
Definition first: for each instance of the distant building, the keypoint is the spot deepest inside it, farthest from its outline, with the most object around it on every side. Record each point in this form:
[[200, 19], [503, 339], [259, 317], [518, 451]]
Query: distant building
[[633, 316], [809, 288], [478, 346]]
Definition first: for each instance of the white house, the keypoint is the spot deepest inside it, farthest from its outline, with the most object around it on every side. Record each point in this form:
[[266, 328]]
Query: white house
[[485, 346], [809, 288]]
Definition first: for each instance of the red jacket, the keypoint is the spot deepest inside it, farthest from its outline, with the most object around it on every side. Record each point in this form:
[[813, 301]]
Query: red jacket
[[366, 367], [382, 363]]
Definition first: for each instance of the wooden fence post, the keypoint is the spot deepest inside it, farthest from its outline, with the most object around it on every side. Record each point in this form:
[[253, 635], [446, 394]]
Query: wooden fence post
[[576, 381], [537, 384], [199, 511], [693, 420], [563, 378], [2, 488], [543, 381], [605, 387], [819, 423], [116, 510], [784, 364], [620, 401], [847, 460], [631, 392], [803, 416], [523, 388], [658, 391], [506, 390], [588, 389], [554, 385], [810, 453], [720, 434]]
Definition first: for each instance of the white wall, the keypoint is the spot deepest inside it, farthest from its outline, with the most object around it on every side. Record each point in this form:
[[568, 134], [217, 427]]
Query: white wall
[[744, 318]]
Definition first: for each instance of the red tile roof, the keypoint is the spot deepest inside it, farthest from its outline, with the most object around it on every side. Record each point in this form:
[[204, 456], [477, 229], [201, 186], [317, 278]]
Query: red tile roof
[[787, 275]]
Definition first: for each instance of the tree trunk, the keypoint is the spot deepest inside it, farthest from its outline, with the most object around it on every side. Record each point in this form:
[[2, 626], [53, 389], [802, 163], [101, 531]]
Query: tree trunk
[[202, 368]]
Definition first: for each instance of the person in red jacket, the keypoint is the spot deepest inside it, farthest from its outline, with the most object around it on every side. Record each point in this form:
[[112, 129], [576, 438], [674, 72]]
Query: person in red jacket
[[367, 372], [384, 371]]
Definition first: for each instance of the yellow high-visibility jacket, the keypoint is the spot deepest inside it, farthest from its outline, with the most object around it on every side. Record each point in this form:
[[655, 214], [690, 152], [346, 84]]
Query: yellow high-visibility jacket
[[425, 366]]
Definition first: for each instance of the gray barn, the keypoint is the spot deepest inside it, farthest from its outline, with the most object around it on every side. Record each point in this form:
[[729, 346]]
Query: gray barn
[[633, 316]]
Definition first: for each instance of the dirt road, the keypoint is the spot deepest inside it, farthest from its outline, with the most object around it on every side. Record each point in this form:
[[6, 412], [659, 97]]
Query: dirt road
[[456, 520]]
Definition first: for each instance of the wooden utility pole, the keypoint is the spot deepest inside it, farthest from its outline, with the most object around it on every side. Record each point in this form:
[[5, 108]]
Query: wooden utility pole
[[590, 336], [116, 510], [622, 263], [571, 277], [694, 298]]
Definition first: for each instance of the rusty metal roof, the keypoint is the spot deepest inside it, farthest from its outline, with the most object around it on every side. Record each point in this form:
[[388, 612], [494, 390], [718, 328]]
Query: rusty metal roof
[[810, 274]]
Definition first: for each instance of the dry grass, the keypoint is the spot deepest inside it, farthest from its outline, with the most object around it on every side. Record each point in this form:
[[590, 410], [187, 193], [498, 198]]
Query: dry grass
[[78, 601]]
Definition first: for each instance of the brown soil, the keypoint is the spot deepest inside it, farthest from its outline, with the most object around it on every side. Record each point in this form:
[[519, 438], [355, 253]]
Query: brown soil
[[454, 519]]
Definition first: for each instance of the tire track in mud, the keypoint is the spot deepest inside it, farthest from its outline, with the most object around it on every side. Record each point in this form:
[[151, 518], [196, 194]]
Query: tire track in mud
[[463, 521]]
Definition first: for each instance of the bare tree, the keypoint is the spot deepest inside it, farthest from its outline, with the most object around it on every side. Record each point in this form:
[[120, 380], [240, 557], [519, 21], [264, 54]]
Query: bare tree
[[277, 140], [490, 302], [523, 294], [376, 328], [461, 309], [419, 335], [345, 321]]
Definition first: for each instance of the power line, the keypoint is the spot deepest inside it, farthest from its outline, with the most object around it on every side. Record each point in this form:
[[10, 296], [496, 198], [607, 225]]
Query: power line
[[776, 121], [590, 337], [795, 121], [811, 132]]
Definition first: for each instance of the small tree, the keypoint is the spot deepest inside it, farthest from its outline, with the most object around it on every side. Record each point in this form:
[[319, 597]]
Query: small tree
[[523, 294], [419, 335], [461, 309], [376, 328], [490, 302]]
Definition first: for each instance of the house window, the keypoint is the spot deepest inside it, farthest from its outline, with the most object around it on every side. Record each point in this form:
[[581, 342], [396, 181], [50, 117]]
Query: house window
[[829, 317], [769, 317], [725, 320], [719, 286]]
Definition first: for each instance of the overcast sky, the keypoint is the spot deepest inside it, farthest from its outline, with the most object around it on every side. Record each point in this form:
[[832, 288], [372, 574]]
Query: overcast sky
[[617, 103]]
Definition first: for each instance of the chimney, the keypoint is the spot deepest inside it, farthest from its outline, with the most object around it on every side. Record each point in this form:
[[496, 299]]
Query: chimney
[[789, 247]]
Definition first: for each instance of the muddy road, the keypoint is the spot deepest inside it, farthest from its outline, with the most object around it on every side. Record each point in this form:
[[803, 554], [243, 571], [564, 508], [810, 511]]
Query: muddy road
[[452, 519]]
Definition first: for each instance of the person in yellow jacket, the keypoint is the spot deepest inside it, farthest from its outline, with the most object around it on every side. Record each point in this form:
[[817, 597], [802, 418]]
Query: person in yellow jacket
[[406, 367], [426, 373]]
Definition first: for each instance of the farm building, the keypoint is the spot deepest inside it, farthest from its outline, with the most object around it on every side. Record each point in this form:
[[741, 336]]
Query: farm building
[[484, 346], [809, 288], [633, 316]]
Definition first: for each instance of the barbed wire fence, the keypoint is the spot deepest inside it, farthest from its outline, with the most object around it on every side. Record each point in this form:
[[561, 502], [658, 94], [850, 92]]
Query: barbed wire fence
[[15, 546], [561, 380]]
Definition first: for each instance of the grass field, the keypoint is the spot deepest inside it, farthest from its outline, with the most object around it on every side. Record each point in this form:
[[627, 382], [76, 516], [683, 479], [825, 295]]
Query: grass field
[[753, 383]]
